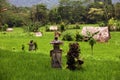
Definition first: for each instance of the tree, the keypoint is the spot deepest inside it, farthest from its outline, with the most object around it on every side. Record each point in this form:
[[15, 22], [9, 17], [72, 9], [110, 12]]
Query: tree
[[41, 14], [78, 11], [65, 13], [95, 15], [12, 15], [54, 17], [3, 7], [72, 11], [117, 10], [12, 19]]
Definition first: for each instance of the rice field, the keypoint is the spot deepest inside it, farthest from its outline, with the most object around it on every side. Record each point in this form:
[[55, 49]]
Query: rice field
[[16, 64]]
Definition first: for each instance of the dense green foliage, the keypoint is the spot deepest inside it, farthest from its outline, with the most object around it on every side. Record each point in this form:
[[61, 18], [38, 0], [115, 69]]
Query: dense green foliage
[[113, 25], [68, 36], [78, 37], [4, 27], [68, 11], [62, 27], [16, 64]]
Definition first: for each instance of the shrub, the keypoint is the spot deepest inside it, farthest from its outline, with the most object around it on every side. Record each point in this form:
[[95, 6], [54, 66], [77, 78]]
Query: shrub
[[31, 27], [28, 28], [101, 24], [47, 28], [118, 26], [37, 25], [78, 37], [68, 36], [18, 21], [73, 61], [112, 24], [77, 26], [4, 27], [62, 27]]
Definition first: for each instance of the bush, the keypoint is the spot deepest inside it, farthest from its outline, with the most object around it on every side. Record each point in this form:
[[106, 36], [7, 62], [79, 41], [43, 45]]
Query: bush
[[18, 21], [118, 26], [112, 24], [78, 37], [31, 27], [47, 28], [62, 27], [77, 26], [28, 28], [101, 24], [37, 25], [73, 60], [4, 27], [68, 36]]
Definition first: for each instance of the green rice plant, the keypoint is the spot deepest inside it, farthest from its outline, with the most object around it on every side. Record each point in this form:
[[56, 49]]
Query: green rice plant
[[16, 64]]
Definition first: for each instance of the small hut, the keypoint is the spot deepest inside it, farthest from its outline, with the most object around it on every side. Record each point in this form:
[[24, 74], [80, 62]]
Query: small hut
[[53, 28], [38, 34], [9, 29], [102, 36]]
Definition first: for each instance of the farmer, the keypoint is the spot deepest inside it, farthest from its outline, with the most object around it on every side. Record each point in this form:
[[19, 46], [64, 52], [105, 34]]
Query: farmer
[[23, 47], [31, 45]]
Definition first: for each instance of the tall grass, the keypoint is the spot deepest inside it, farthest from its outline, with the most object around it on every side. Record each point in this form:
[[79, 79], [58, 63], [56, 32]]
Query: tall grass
[[16, 64]]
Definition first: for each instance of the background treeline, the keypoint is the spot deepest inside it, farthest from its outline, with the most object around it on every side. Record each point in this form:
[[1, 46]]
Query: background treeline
[[68, 11]]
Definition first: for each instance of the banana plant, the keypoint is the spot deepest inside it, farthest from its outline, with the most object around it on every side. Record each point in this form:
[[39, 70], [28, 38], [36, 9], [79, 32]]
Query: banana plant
[[92, 41]]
